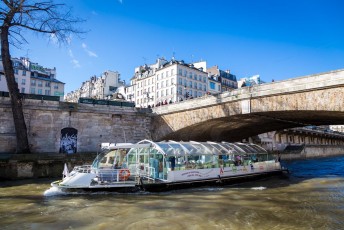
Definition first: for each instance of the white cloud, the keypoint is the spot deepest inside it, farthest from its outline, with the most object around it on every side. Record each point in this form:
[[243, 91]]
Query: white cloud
[[69, 40], [70, 53], [89, 52], [74, 61], [53, 39]]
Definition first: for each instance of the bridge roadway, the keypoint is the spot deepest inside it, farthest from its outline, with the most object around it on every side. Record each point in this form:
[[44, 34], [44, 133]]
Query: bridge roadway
[[232, 116]]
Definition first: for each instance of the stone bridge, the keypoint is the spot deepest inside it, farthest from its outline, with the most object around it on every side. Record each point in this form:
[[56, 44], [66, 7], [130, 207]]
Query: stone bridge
[[232, 116]]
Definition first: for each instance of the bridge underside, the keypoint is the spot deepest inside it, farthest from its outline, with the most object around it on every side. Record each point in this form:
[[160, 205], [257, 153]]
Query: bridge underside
[[238, 127]]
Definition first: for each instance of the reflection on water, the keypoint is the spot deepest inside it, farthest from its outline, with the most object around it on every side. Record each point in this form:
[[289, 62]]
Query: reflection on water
[[311, 198]]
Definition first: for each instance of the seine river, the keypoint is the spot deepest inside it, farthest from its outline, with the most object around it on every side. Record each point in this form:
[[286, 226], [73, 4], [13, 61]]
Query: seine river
[[311, 198]]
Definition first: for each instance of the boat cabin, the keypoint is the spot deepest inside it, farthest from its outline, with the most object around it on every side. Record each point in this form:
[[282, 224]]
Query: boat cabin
[[157, 160]]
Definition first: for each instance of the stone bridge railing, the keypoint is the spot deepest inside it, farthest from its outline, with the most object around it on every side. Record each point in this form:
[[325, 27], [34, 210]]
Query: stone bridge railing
[[313, 82]]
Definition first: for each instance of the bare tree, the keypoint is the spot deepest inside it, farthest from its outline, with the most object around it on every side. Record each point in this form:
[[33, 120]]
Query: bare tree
[[44, 17]]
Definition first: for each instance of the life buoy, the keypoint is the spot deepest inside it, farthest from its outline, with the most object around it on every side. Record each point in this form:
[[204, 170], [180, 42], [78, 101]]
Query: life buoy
[[124, 174]]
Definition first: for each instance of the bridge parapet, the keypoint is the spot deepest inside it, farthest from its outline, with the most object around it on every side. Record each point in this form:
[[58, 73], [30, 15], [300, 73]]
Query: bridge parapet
[[313, 82]]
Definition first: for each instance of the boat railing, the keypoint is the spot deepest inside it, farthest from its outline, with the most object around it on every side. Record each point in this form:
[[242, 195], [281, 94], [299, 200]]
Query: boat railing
[[148, 173], [115, 175]]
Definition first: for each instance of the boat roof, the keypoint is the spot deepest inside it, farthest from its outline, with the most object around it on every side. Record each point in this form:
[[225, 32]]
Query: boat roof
[[112, 146], [174, 148]]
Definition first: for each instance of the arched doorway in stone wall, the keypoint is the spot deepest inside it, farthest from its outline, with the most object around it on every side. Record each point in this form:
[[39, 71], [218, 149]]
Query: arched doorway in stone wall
[[68, 141]]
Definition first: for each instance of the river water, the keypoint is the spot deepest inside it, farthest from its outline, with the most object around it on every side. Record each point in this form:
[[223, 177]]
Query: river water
[[311, 198]]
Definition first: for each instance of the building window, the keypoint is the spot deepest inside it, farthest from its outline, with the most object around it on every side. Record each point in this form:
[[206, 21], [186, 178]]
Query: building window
[[157, 77], [212, 85], [195, 76], [162, 75], [47, 92], [180, 72], [190, 75], [195, 85], [16, 71], [204, 79], [22, 90], [33, 90], [166, 92], [23, 81], [47, 84], [172, 72], [56, 86], [40, 84], [39, 91], [167, 74], [185, 73], [16, 79]]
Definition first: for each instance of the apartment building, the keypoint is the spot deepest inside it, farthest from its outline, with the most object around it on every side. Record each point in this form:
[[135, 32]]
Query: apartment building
[[166, 82], [227, 80], [102, 87], [33, 78]]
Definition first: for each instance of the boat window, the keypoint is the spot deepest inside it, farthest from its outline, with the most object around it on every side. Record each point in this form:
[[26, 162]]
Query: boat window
[[157, 158], [219, 148], [247, 148], [114, 159], [236, 147], [258, 148], [178, 149]]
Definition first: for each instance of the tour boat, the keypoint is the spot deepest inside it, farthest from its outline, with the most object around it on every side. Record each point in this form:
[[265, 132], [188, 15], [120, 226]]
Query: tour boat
[[167, 165], [107, 172]]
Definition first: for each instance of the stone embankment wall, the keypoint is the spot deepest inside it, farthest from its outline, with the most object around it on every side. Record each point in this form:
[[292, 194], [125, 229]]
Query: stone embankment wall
[[314, 151], [49, 124], [23, 166]]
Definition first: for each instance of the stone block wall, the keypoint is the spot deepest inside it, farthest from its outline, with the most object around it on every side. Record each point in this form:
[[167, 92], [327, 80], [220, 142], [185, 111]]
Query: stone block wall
[[94, 124]]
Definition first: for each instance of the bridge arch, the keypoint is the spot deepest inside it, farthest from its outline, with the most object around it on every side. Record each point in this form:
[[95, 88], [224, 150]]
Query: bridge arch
[[232, 116]]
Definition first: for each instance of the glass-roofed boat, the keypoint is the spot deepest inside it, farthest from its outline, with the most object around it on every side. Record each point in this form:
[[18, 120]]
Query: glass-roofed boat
[[166, 165]]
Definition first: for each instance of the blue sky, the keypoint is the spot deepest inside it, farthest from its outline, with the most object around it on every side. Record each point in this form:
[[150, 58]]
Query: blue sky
[[275, 39]]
